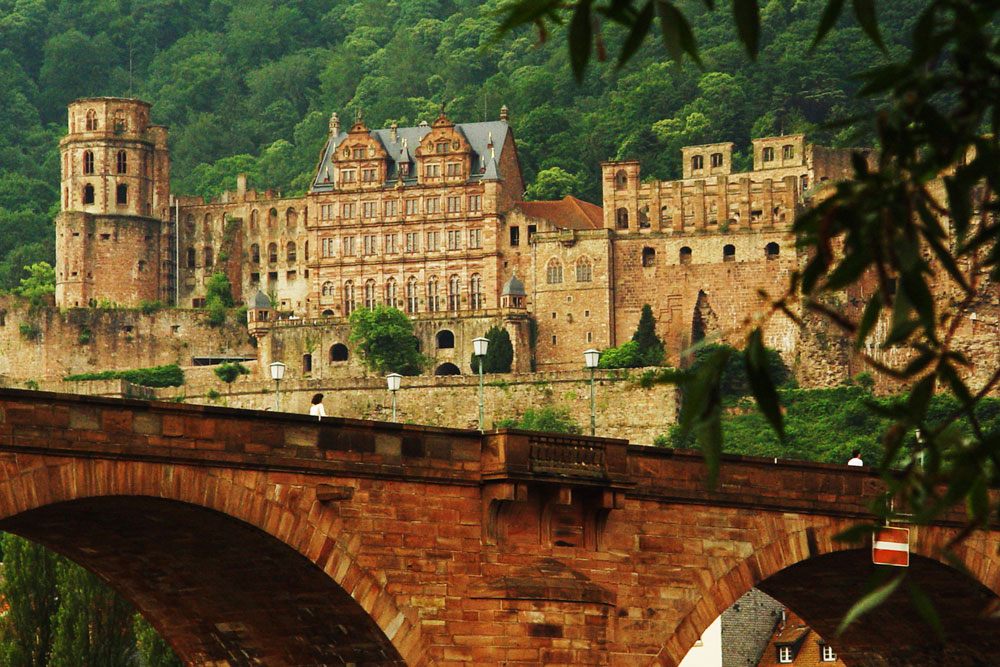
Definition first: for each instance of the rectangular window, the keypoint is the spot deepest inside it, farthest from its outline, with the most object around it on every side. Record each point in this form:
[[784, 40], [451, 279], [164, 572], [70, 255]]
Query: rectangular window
[[454, 204], [432, 171], [412, 241], [411, 207], [787, 153], [347, 243], [768, 155], [475, 202], [371, 244], [784, 654], [290, 276], [368, 209], [433, 241], [390, 208], [368, 175], [432, 205], [515, 235], [326, 211], [441, 147], [826, 653], [255, 277], [358, 154], [390, 243], [347, 211], [454, 240], [453, 169], [475, 238], [326, 247], [348, 176], [590, 337]]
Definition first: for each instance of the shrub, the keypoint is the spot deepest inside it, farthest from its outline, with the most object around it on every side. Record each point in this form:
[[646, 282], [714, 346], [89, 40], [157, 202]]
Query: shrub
[[499, 352], [83, 337], [148, 307], [624, 356], [29, 330], [229, 372], [154, 376], [548, 419]]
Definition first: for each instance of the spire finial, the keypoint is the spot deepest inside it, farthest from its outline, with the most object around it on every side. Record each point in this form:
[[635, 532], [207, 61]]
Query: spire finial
[[504, 113], [357, 115], [334, 124]]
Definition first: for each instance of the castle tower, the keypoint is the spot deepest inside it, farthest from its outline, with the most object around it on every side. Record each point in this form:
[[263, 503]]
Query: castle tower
[[260, 318], [516, 320], [112, 243]]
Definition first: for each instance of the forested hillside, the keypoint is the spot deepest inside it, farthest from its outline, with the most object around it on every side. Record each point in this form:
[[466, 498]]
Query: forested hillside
[[249, 86]]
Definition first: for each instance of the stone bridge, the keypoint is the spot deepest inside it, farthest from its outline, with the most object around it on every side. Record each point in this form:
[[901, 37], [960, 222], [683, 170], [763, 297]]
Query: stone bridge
[[252, 538]]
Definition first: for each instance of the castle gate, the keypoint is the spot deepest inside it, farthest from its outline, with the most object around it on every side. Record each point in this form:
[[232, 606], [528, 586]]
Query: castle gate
[[250, 538]]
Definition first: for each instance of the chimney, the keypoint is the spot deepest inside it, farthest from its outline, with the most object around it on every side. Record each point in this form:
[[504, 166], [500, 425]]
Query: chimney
[[334, 124], [392, 131], [504, 113], [241, 185]]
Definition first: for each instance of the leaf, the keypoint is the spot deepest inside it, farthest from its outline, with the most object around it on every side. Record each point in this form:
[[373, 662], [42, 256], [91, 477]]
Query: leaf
[[525, 12], [926, 609], [677, 35], [580, 39], [831, 13], [868, 319], [977, 502], [764, 392], [870, 601], [747, 16], [864, 12], [700, 411], [640, 28]]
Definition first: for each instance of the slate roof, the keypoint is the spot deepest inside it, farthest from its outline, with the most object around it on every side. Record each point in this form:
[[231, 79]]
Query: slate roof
[[408, 139], [513, 287], [259, 300], [567, 213]]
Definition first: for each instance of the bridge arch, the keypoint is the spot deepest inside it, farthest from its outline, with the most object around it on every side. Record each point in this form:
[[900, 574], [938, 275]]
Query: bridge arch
[[790, 567], [188, 548]]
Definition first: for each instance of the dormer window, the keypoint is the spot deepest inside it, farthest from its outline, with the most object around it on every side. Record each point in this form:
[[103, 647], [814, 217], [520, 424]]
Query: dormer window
[[441, 147], [785, 655], [826, 653], [404, 168], [358, 154]]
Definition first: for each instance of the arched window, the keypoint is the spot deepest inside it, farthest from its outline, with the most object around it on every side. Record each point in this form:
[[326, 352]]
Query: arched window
[[327, 313], [208, 256], [390, 293], [685, 255], [348, 298], [772, 250], [272, 217], [787, 152], [255, 253], [447, 368], [272, 253], [475, 292], [190, 258], [91, 120], [433, 305], [207, 225], [121, 162], [121, 123], [768, 154], [190, 222], [648, 257], [584, 270], [291, 217], [88, 162], [729, 253], [445, 340], [621, 179], [88, 194], [553, 272], [716, 159], [328, 288], [290, 251], [697, 162], [338, 352], [621, 218], [412, 301], [121, 194], [454, 293], [254, 219], [370, 299]]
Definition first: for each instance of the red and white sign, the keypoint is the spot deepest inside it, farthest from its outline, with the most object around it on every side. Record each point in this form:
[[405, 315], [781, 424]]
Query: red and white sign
[[891, 546]]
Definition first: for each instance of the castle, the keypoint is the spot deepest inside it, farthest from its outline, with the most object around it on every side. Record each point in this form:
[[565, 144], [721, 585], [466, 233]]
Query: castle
[[431, 220]]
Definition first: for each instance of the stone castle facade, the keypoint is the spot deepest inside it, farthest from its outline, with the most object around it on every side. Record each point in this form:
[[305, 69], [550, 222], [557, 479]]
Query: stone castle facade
[[431, 220]]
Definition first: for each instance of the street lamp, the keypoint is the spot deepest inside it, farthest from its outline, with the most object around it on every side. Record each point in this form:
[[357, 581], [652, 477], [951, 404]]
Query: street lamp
[[591, 358], [479, 346], [277, 373], [392, 379]]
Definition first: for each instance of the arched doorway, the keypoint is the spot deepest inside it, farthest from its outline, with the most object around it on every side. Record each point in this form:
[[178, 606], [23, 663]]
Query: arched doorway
[[447, 368]]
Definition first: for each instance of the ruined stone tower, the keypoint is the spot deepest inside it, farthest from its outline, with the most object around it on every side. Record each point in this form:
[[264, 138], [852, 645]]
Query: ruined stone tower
[[113, 243]]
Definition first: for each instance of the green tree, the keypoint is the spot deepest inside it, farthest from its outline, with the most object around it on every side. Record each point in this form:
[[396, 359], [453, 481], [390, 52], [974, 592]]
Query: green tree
[[650, 346], [384, 339], [41, 282], [547, 419], [29, 588], [553, 183], [154, 651], [229, 372], [499, 352], [218, 298]]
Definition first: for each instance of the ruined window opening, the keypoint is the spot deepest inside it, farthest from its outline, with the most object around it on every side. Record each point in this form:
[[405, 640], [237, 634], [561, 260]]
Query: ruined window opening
[[767, 154], [515, 235], [272, 253], [255, 278], [91, 120], [272, 276], [445, 340], [621, 217], [105, 237], [787, 152], [476, 292], [290, 253], [88, 162], [412, 292], [290, 276], [729, 253], [685, 255], [291, 217], [553, 273], [190, 258], [121, 162], [804, 183], [370, 299], [716, 159], [648, 257], [391, 293], [454, 293], [88, 194], [307, 363], [121, 194], [621, 179], [447, 368], [432, 295], [255, 253], [142, 266], [697, 162], [338, 352], [209, 256], [772, 250], [254, 216], [348, 304]]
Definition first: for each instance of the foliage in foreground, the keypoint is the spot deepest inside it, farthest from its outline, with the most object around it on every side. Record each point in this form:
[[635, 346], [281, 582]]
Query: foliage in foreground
[[154, 376], [547, 419], [384, 338]]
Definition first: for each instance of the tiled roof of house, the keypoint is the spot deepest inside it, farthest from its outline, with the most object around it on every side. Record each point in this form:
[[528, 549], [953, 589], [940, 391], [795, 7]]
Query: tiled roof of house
[[806, 647], [566, 213]]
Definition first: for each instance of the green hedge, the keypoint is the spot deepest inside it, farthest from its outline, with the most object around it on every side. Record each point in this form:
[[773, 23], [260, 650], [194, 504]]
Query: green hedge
[[156, 376]]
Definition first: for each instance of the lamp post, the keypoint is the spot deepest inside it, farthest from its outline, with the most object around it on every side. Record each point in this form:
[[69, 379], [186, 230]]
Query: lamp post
[[591, 358], [392, 380], [479, 346], [277, 373]]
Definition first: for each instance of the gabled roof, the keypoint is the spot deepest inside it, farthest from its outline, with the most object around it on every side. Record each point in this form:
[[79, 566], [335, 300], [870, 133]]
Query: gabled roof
[[402, 150], [567, 213]]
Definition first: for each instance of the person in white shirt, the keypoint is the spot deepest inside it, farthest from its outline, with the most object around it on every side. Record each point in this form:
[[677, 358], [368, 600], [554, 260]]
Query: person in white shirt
[[317, 411], [856, 459]]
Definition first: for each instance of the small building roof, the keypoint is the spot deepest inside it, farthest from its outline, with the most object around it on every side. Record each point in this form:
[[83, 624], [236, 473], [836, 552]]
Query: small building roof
[[513, 287], [259, 301], [567, 213]]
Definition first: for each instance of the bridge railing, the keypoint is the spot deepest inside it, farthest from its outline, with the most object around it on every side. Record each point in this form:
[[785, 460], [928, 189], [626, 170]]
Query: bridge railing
[[512, 453]]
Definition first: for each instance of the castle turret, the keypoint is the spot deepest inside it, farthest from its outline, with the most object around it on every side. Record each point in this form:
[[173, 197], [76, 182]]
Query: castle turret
[[111, 241]]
